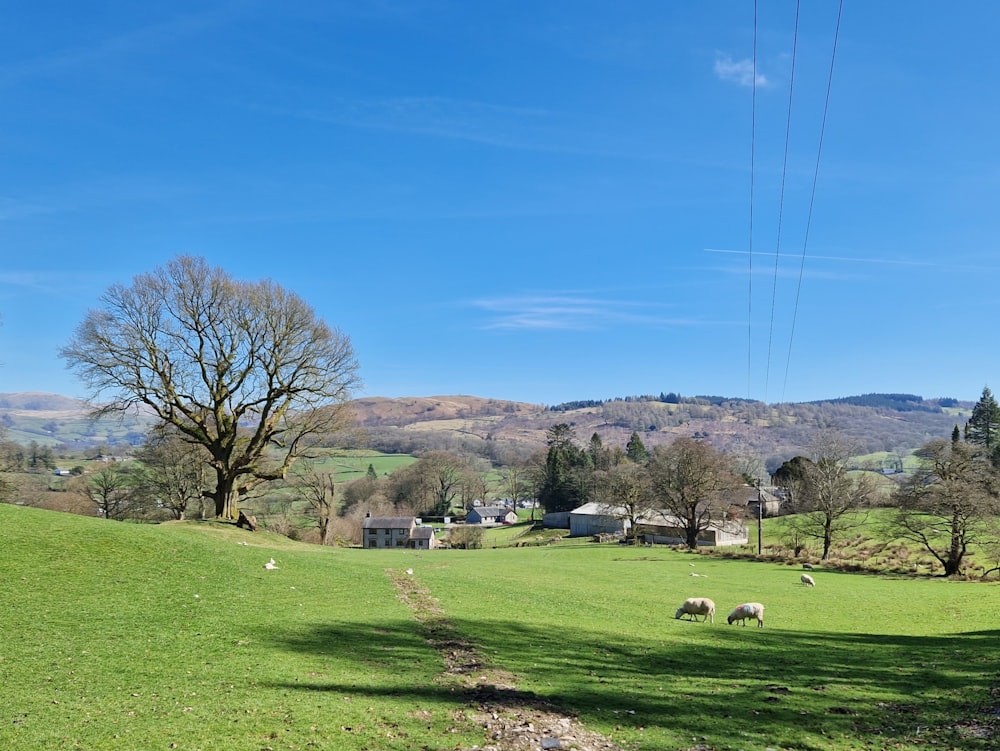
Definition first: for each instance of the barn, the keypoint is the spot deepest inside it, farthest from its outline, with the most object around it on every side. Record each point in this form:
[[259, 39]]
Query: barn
[[597, 519], [662, 528]]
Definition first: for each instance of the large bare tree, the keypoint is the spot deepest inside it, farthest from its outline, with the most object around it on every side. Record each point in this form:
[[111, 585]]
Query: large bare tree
[[691, 480], [829, 499], [245, 369], [950, 502]]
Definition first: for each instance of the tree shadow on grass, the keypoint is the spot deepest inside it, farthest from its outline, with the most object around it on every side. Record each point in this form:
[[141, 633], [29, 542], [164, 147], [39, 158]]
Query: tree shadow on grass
[[793, 689]]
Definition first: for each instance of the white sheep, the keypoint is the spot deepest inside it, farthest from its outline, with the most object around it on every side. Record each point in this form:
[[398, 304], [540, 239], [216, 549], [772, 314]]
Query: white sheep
[[695, 606], [808, 580], [748, 610]]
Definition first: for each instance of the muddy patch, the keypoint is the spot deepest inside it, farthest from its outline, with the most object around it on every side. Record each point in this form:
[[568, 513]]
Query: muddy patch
[[514, 720]]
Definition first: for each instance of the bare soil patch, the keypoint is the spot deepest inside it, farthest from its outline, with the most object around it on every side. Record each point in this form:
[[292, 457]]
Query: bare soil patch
[[514, 720]]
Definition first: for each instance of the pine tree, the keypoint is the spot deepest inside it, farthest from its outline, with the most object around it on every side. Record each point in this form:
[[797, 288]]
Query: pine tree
[[983, 427], [635, 449]]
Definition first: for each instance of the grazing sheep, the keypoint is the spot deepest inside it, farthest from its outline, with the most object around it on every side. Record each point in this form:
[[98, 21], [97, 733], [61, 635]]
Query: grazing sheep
[[748, 610], [808, 580], [695, 606], [807, 566]]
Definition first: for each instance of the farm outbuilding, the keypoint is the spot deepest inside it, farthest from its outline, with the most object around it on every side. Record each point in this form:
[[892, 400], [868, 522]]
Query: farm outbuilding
[[763, 501], [597, 519], [663, 528], [655, 526]]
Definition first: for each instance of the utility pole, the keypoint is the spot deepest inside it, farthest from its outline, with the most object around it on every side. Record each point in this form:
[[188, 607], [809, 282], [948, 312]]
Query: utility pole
[[760, 516]]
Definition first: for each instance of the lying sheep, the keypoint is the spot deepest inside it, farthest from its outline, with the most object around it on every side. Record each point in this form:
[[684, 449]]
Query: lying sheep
[[808, 580], [695, 606], [748, 610]]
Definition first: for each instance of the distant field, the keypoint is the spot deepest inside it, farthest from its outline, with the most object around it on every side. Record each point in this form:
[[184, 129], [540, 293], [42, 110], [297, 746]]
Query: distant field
[[349, 465], [121, 636]]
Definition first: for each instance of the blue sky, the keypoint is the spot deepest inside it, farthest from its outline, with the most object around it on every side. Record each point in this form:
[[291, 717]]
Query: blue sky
[[537, 201]]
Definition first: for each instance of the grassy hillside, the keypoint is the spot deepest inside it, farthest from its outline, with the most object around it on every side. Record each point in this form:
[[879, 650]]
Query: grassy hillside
[[119, 636]]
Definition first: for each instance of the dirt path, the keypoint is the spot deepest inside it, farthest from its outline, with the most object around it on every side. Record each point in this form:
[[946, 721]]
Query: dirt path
[[514, 720]]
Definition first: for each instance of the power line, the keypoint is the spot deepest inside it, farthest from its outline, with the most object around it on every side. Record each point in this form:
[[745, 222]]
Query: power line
[[812, 196], [781, 199], [753, 146]]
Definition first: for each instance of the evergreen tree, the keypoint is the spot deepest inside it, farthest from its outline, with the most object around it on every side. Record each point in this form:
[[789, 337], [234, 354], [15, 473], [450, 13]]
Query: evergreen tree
[[599, 456], [983, 427], [635, 449], [562, 481], [371, 473]]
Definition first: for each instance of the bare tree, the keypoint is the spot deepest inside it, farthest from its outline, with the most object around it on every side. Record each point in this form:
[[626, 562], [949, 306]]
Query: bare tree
[[173, 470], [626, 492], [827, 496], [949, 503], [11, 459], [690, 480], [318, 490], [431, 485], [516, 482], [245, 369], [110, 489], [365, 493], [468, 537], [472, 483]]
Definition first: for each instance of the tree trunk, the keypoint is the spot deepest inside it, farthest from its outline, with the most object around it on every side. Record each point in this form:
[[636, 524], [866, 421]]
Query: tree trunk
[[827, 538], [952, 566], [692, 537], [225, 497]]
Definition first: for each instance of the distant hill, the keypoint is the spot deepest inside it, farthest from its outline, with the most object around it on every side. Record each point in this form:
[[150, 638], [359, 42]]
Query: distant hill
[[497, 429], [60, 421], [894, 424], [33, 402]]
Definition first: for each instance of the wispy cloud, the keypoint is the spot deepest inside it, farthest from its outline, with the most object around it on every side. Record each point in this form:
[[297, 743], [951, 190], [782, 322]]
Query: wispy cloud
[[740, 72], [504, 126], [11, 208], [138, 40], [572, 313]]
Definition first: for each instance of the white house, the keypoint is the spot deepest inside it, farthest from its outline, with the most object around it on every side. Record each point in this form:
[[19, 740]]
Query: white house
[[490, 515]]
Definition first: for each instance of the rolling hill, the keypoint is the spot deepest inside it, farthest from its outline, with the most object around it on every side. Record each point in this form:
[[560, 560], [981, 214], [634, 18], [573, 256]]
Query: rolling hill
[[877, 423]]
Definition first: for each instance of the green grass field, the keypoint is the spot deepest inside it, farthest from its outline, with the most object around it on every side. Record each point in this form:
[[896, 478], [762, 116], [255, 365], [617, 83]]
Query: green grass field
[[122, 636]]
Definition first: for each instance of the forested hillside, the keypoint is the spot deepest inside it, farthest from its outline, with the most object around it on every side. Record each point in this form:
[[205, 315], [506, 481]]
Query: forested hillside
[[497, 429], [774, 433]]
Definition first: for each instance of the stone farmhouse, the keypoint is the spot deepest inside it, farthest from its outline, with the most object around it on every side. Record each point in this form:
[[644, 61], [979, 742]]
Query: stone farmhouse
[[396, 532]]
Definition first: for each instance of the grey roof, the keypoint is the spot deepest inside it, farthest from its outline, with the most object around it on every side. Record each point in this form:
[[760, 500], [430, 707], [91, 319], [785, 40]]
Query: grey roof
[[388, 522], [490, 511], [422, 533], [594, 508]]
